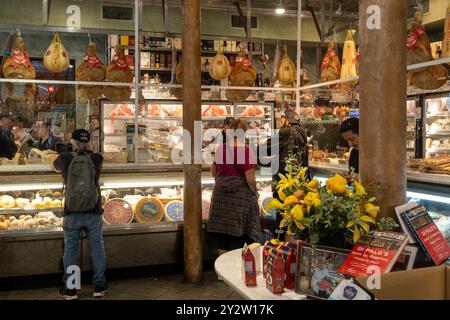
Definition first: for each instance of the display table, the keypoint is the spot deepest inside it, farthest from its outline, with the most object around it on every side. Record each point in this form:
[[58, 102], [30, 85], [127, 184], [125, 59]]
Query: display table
[[228, 268]]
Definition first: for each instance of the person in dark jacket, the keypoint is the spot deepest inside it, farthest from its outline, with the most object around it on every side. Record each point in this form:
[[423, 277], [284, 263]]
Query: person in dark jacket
[[350, 132], [8, 147], [47, 141], [90, 222]]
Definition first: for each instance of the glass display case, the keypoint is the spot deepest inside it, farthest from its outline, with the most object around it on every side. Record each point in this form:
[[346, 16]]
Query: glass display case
[[437, 117], [160, 129], [143, 220]]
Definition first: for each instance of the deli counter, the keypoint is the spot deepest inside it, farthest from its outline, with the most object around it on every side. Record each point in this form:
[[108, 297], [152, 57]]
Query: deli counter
[[141, 187], [143, 226]]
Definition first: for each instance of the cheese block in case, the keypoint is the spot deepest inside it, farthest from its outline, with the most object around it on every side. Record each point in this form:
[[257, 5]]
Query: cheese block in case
[[117, 211], [149, 210], [175, 211]]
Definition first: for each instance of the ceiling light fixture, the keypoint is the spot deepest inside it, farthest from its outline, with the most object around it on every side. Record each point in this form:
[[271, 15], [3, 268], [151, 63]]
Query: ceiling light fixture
[[280, 9]]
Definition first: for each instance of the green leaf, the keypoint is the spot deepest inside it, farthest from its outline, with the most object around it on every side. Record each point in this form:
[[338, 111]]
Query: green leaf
[[349, 224], [365, 226]]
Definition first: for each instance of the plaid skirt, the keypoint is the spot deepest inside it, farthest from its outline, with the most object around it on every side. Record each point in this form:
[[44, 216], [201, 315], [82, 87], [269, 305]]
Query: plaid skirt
[[234, 209]]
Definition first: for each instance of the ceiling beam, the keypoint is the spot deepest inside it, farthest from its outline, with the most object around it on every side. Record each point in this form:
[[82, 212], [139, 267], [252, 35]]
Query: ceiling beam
[[242, 17]]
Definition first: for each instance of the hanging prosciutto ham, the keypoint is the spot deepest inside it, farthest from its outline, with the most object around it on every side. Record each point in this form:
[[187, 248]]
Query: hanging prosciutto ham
[[19, 66], [419, 50], [242, 75], [331, 66], [118, 71], [91, 69]]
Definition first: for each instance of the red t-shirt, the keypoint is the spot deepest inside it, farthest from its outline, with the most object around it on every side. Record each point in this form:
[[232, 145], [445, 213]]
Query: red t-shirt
[[234, 161]]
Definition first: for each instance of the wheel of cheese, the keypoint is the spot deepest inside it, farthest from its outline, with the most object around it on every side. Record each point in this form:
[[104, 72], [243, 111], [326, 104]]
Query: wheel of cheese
[[149, 210], [117, 211], [174, 211], [206, 203]]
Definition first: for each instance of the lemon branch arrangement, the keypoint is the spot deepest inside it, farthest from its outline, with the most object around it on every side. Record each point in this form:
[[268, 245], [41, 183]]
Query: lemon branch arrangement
[[315, 212]]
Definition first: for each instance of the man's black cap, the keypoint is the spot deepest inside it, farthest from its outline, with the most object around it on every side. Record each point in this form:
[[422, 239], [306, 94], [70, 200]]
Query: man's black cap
[[81, 135]]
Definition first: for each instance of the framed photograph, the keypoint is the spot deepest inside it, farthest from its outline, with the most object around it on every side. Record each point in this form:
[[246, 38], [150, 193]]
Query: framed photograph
[[406, 259], [317, 267]]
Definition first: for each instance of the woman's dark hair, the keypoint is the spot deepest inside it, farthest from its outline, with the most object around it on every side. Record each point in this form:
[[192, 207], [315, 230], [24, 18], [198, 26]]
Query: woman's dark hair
[[351, 124]]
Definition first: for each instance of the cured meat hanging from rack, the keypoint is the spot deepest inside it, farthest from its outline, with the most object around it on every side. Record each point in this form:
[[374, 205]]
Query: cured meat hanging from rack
[[19, 66], [419, 50], [56, 58], [220, 66], [331, 66], [91, 69], [287, 73], [242, 75], [349, 60], [118, 71]]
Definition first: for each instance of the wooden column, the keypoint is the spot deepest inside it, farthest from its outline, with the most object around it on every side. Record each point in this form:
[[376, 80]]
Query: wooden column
[[193, 257], [383, 101]]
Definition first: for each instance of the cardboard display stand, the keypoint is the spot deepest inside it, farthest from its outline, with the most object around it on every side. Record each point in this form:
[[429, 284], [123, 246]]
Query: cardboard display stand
[[417, 284]]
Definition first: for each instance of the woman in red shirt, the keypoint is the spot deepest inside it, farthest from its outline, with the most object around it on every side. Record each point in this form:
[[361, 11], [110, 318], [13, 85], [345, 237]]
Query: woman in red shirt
[[234, 211]]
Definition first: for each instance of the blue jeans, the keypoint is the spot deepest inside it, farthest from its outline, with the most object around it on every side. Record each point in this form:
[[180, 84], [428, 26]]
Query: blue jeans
[[93, 226]]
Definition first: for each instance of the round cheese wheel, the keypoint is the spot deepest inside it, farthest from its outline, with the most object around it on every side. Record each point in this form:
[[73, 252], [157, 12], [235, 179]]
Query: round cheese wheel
[[117, 211], [206, 203], [175, 211], [149, 210]]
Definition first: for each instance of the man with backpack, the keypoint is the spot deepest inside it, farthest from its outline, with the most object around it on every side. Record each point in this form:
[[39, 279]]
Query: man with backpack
[[82, 211]]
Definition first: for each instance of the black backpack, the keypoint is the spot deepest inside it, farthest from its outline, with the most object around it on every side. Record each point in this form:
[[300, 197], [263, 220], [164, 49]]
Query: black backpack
[[81, 191]]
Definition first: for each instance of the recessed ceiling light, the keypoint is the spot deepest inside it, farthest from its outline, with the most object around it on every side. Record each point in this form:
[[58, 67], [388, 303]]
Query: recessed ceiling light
[[280, 10]]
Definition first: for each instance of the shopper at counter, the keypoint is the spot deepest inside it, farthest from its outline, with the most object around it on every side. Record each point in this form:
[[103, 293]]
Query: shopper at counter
[[350, 132], [234, 207], [226, 125], [91, 222], [47, 141], [8, 148]]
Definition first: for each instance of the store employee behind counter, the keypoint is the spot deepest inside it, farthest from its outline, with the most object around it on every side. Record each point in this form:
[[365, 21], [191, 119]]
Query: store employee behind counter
[[47, 141], [350, 132]]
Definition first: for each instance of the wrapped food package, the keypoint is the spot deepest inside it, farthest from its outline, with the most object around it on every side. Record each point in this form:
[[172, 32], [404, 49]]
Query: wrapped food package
[[118, 71], [56, 58], [331, 66], [419, 50], [348, 66], [242, 75], [91, 69], [19, 66], [287, 73], [220, 67], [7, 202], [117, 211]]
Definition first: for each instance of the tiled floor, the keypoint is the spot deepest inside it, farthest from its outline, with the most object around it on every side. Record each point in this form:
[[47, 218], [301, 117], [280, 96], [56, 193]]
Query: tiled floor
[[170, 287]]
